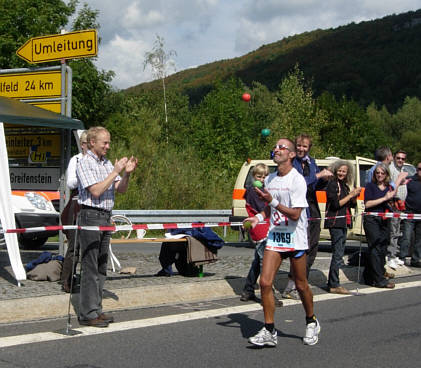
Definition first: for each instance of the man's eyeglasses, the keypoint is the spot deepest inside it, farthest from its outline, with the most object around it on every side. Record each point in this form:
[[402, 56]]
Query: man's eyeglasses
[[280, 147], [418, 168], [401, 158], [84, 142]]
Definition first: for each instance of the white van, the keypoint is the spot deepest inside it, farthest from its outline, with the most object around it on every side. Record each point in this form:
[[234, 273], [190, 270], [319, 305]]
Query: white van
[[360, 164], [33, 209]]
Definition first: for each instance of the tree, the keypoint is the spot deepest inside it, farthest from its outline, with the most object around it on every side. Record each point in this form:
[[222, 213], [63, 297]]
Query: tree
[[222, 128], [22, 19], [410, 142], [160, 62], [349, 131], [298, 112], [86, 19], [407, 118]]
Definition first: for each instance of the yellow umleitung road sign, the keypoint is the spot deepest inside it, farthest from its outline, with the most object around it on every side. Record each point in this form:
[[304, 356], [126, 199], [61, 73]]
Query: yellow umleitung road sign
[[31, 85], [63, 46]]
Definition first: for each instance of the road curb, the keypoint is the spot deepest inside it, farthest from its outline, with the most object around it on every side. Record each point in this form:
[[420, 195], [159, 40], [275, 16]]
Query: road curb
[[56, 306]]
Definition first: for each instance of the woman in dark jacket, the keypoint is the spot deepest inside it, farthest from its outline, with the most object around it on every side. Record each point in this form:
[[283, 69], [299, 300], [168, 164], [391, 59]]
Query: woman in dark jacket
[[338, 217], [377, 196]]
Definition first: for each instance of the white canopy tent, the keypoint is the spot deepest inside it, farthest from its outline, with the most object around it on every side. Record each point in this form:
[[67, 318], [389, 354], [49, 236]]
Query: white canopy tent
[[15, 112]]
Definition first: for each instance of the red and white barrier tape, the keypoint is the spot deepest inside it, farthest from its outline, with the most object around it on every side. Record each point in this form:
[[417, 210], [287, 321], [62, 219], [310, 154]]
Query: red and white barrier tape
[[401, 215], [124, 227], [406, 216], [409, 216]]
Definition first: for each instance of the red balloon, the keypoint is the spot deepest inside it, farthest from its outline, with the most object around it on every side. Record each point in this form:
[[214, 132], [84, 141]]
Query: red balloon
[[246, 97]]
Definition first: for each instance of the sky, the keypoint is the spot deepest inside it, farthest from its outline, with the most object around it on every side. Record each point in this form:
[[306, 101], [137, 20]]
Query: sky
[[204, 31]]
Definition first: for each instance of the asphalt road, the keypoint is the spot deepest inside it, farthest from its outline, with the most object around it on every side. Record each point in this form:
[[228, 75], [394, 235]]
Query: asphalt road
[[380, 328]]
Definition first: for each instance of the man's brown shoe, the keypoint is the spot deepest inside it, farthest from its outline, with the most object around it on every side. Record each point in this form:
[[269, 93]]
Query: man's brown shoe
[[106, 317], [339, 290], [65, 287], [97, 322]]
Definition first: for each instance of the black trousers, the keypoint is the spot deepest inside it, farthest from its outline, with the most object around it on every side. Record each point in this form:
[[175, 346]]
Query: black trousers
[[313, 235], [70, 259], [176, 252], [377, 233]]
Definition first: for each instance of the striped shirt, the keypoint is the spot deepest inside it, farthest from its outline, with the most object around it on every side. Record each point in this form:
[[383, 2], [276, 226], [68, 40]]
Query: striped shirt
[[91, 170]]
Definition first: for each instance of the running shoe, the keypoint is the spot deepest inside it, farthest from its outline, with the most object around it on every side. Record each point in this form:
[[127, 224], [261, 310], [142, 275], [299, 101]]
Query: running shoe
[[246, 296], [391, 262], [312, 333], [264, 337], [291, 294], [399, 262]]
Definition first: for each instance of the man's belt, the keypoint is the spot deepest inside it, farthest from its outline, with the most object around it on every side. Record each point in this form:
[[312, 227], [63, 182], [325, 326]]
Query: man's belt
[[85, 207]]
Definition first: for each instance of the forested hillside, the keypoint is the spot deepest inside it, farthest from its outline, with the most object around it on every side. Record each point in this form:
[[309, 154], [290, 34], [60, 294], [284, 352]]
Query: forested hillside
[[377, 61]]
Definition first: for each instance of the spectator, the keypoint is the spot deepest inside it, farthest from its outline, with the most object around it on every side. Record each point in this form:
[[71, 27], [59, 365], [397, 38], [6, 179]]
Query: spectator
[[68, 217], [287, 238], [254, 204], [200, 246], [413, 205], [382, 155], [338, 217], [396, 168], [98, 179], [307, 167], [377, 195]]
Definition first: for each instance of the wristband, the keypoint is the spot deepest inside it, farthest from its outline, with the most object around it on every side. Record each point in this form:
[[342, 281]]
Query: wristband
[[260, 217], [274, 203]]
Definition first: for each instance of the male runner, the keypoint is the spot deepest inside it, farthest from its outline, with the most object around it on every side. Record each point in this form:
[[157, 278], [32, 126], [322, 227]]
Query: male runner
[[287, 238]]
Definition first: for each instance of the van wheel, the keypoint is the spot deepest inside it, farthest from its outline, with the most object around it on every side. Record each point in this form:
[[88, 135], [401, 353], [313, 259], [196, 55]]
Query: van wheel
[[33, 243]]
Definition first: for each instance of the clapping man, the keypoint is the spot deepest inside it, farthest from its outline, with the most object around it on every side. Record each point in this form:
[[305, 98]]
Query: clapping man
[[98, 179]]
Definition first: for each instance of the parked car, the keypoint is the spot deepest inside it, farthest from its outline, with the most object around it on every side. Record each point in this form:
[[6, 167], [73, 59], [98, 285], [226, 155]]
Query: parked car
[[360, 164], [33, 209]]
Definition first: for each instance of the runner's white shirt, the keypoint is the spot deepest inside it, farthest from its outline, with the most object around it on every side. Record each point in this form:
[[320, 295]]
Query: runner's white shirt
[[286, 235]]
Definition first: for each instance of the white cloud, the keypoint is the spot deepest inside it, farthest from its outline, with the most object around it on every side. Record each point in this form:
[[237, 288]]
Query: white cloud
[[135, 17], [125, 57]]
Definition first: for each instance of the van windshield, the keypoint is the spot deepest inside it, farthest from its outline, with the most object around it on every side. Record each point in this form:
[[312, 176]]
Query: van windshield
[[249, 180], [363, 171]]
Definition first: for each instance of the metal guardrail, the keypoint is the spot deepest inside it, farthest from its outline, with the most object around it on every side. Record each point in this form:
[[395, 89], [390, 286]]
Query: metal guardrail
[[174, 216]]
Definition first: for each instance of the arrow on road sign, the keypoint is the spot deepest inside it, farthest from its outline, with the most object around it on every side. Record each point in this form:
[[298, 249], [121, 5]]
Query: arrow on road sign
[[63, 46]]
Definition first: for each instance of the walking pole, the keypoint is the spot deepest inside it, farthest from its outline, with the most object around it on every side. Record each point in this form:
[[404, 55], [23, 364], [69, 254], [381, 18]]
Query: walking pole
[[359, 255], [69, 330]]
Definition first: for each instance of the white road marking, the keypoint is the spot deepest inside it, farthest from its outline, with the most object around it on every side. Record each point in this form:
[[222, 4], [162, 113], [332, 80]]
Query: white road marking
[[163, 320]]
